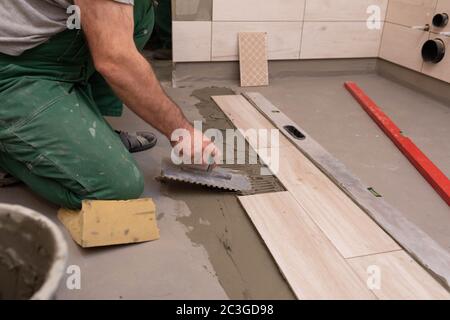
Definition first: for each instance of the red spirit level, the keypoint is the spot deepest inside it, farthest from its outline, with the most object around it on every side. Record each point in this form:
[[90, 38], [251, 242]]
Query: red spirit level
[[426, 167]]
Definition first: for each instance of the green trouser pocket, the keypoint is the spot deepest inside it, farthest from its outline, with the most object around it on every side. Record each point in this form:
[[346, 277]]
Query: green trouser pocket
[[24, 97]]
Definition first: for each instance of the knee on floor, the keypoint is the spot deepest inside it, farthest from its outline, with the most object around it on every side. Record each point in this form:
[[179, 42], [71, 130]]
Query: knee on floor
[[127, 185]]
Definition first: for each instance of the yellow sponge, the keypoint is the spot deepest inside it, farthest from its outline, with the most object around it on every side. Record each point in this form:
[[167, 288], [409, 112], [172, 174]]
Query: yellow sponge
[[105, 223]]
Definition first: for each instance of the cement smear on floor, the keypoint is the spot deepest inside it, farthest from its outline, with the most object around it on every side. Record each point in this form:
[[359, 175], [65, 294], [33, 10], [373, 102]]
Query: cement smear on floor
[[241, 261]]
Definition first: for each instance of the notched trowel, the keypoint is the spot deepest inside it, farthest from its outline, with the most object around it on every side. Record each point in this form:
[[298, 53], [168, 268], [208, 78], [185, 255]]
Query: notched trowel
[[218, 178]]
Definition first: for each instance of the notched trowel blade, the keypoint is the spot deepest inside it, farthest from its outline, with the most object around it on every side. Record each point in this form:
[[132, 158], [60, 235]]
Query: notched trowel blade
[[218, 178]]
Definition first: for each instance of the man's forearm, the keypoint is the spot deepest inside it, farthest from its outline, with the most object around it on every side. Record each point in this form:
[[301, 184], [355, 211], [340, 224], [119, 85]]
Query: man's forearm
[[133, 80], [109, 28]]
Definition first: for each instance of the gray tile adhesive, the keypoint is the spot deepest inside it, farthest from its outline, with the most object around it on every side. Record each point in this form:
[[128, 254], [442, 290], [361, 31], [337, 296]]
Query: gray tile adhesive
[[32, 254]]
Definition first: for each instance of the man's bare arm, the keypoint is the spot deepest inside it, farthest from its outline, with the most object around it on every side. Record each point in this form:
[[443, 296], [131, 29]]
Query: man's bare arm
[[109, 27]]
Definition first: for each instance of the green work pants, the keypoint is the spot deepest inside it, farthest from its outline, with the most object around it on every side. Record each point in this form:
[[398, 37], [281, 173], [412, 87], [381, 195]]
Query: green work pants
[[53, 135], [164, 23]]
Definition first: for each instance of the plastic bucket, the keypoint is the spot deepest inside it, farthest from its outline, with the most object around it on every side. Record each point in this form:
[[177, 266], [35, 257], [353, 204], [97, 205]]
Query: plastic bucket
[[33, 254]]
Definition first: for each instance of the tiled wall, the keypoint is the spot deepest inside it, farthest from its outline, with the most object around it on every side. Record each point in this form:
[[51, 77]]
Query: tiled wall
[[206, 30], [402, 43]]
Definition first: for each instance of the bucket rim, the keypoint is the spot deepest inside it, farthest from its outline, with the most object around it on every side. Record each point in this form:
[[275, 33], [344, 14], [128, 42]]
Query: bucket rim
[[58, 263]]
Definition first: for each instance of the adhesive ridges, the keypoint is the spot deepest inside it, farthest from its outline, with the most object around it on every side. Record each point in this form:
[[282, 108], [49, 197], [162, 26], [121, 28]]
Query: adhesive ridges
[[215, 118]]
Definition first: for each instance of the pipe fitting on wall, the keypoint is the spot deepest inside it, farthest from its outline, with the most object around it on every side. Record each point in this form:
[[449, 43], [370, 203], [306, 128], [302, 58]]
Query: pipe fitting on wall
[[426, 27], [433, 50], [440, 20]]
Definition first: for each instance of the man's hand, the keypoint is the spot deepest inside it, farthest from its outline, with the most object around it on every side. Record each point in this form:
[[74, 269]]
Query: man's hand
[[109, 28], [200, 149]]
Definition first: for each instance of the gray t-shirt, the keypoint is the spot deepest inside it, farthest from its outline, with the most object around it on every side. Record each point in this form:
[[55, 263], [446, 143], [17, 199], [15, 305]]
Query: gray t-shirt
[[25, 24]]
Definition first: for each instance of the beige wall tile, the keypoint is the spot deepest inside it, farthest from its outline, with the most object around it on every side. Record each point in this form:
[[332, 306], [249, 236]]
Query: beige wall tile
[[411, 12], [191, 41], [283, 39], [323, 40], [258, 10], [342, 10], [403, 45]]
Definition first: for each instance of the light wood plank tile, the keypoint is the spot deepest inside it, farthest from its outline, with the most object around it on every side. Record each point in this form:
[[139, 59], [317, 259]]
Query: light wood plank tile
[[257, 10], [283, 39], [400, 277], [344, 223], [191, 41], [310, 263], [245, 119], [349, 228], [326, 40]]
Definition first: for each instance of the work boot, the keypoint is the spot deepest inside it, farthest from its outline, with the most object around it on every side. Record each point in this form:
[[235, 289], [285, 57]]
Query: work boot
[[6, 179], [138, 142]]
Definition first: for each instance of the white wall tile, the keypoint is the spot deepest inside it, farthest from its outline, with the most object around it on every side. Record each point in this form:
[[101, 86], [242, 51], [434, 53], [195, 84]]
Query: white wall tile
[[403, 45], [342, 10], [322, 40], [258, 10], [191, 41], [283, 39]]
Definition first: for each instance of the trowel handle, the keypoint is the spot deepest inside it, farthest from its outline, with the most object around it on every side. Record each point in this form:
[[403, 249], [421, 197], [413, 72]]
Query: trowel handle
[[211, 159], [211, 162]]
